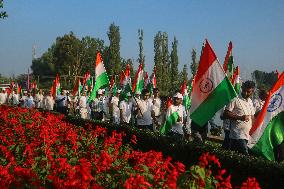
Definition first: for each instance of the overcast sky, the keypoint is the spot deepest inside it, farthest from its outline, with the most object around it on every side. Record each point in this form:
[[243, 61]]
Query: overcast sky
[[255, 27]]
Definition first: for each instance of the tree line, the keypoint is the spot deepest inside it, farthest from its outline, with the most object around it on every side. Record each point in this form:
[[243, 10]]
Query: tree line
[[72, 56]]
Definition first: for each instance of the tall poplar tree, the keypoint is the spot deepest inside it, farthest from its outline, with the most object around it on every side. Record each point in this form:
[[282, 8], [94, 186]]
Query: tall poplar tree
[[194, 64], [183, 75], [161, 59], [141, 58], [174, 79], [114, 63]]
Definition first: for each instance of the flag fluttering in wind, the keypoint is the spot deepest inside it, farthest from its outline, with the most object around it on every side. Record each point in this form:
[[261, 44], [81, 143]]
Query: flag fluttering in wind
[[267, 131], [139, 80], [55, 89], [101, 77], [228, 65], [186, 97], [77, 88], [236, 81], [112, 85], [154, 81], [171, 119], [211, 89], [87, 82]]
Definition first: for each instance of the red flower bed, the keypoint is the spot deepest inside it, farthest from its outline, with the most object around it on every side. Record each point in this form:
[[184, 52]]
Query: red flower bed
[[40, 150]]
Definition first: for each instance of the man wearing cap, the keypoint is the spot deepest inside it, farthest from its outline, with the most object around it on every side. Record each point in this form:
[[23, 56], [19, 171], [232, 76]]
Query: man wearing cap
[[145, 112], [97, 107], [126, 109], [177, 130], [115, 108]]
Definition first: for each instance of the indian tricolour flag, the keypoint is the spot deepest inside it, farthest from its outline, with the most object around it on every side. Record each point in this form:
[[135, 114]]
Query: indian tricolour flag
[[171, 118], [139, 80], [77, 88], [154, 81], [236, 81], [211, 89], [267, 131], [101, 77], [229, 61]]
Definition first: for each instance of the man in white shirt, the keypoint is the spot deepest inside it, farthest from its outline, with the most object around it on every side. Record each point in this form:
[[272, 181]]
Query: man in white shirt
[[145, 112], [14, 98], [39, 99], [126, 109], [97, 107], [22, 100], [83, 106], [177, 130], [157, 108], [115, 108], [3, 97], [61, 103], [29, 101], [48, 102], [241, 113]]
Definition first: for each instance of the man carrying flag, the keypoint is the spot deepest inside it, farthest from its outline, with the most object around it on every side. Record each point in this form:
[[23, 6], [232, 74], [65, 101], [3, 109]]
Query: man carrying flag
[[267, 132], [241, 114]]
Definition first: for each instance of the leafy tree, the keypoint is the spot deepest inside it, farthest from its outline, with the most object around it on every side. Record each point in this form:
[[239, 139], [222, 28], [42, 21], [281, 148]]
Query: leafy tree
[[194, 63], [161, 60], [141, 58], [183, 75], [174, 79], [264, 79], [114, 65], [3, 14]]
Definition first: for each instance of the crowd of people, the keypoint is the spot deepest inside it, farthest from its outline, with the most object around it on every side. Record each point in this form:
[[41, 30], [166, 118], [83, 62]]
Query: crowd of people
[[150, 111]]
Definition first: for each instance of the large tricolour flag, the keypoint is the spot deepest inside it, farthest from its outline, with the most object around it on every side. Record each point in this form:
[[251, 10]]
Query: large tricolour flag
[[211, 89], [101, 77], [267, 131]]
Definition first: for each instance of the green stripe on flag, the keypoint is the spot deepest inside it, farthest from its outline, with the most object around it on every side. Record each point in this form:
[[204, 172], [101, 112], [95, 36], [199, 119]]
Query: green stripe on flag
[[101, 81], [272, 136], [220, 97], [139, 86], [172, 119]]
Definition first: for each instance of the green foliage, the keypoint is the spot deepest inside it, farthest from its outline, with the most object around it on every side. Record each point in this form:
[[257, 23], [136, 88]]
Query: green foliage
[[194, 63], [3, 14], [161, 60], [174, 82], [264, 79], [268, 173], [183, 75], [113, 64], [141, 58]]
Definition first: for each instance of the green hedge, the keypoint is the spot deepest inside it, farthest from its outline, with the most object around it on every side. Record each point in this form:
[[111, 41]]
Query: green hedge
[[269, 174]]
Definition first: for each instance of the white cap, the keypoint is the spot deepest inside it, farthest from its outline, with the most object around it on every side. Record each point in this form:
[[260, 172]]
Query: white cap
[[118, 91], [128, 94], [100, 92], [178, 95], [138, 92]]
